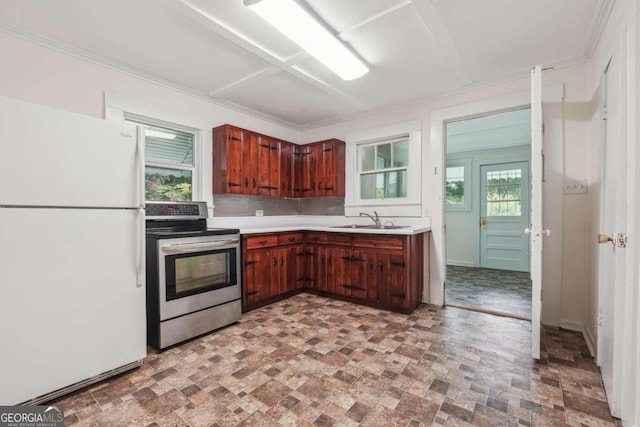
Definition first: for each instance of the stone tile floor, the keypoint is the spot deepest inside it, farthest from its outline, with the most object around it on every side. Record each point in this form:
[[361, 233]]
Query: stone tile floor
[[315, 361], [502, 291]]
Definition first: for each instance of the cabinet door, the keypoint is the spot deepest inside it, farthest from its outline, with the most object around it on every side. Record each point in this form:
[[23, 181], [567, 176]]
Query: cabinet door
[[250, 164], [286, 170], [341, 260], [264, 169], [258, 275], [297, 173], [393, 279], [311, 169], [235, 142], [289, 271], [327, 169], [359, 284], [310, 267]]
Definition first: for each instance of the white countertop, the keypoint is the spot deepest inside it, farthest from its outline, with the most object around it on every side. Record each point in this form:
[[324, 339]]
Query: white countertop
[[276, 224]]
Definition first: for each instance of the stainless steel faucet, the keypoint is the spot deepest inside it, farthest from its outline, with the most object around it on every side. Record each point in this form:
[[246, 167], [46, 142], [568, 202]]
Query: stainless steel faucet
[[375, 219]]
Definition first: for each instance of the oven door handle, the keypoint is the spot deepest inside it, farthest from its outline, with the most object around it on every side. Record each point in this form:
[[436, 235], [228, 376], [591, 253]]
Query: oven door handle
[[191, 247]]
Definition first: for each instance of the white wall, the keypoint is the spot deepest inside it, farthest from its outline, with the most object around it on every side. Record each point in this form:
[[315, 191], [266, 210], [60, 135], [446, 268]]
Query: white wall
[[463, 236]]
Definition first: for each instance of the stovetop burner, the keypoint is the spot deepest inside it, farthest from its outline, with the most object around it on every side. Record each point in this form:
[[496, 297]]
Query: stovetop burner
[[180, 219]]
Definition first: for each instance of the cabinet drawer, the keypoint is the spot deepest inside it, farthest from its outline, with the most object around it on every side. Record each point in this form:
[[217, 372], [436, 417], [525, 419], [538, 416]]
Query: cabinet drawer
[[290, 238], [339, 239], [319, 237], [261, 241], [385, 242]]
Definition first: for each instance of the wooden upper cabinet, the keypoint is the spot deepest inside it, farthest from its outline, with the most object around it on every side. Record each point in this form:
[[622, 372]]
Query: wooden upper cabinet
[[323, 168], [246, 162]]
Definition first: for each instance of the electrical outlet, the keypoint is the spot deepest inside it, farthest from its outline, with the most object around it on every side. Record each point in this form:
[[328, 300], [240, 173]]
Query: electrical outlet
[[574, 186], [259, 212]]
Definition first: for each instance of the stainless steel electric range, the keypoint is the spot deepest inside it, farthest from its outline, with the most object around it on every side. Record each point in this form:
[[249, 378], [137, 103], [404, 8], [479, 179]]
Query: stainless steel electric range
[[193, 273]]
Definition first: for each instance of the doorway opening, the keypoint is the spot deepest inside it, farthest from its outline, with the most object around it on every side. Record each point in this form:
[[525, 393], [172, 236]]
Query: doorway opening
[[487, 192]]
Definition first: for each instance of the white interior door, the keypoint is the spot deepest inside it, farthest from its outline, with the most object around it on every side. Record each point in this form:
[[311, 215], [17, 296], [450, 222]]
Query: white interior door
[[536, 230], [504, 213], [611, 259]]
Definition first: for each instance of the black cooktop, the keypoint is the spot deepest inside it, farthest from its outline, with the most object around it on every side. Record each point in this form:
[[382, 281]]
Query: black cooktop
[[180, 219]]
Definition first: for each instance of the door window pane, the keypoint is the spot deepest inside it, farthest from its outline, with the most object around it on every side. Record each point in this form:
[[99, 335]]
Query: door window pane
[[504, 192]]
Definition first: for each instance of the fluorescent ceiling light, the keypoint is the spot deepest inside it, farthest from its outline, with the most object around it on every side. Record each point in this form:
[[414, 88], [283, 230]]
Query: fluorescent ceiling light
[[295, 23], [159, 134]]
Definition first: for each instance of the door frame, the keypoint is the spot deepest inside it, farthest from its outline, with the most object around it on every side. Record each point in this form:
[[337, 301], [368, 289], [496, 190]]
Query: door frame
[[434, 184]]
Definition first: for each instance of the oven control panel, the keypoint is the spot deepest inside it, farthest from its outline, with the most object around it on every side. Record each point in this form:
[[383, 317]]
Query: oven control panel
[[175, 210]]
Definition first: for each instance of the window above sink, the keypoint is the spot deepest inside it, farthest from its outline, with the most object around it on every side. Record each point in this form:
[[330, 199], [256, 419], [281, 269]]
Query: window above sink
[[383, 170]]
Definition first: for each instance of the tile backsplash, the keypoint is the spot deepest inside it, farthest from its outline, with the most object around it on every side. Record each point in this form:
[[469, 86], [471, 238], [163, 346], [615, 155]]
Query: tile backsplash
[[241, 205]]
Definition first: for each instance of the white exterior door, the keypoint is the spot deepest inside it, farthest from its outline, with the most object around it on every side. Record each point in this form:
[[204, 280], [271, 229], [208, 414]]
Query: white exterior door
[[504, 214], [611, 259], [536, 230]]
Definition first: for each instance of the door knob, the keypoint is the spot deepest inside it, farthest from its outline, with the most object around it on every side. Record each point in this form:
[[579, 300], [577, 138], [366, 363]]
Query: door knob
[[483, 222]]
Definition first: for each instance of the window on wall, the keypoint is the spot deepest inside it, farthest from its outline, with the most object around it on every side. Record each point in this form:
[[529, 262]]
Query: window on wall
[[169, 162], [458, 186], [383, 169]]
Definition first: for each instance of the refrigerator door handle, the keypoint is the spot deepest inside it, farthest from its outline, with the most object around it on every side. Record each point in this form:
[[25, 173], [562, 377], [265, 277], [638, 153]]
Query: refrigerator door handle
[[141, 208], [141, 166], [141, 248]]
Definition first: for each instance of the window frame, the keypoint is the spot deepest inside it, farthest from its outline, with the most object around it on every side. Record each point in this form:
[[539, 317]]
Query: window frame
[[468, 186], [397, 206], [144, 121]]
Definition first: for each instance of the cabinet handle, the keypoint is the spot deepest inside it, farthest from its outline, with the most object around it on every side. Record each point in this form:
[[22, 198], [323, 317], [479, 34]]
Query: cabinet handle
[[264, 145], [330, 260], [234, 184], [313, 186], [397, 296], [328, 188], [249, 293], [281, 261], [250, 262], [291, 239], [381, 265], [254, 183], [356, 259], [327, 150], [322, 259], [272, 147], [263, 242], [275, 261], [300, 254], [370, 265], [398, 263], [233, 138], [246, 182]]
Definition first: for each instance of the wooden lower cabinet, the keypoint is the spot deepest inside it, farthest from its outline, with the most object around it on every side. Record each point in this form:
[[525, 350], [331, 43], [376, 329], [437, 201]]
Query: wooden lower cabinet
[[384, 271]]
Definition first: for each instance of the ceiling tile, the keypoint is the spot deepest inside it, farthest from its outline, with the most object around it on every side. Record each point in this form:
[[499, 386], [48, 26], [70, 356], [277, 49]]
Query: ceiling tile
[[288, 98]]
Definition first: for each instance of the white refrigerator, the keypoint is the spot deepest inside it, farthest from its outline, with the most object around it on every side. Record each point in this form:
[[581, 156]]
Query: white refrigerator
[[72, 291]]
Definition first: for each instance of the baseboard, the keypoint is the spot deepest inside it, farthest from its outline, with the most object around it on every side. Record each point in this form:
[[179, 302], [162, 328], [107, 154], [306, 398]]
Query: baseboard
[[572, 325], [591, 341], [460, 263]]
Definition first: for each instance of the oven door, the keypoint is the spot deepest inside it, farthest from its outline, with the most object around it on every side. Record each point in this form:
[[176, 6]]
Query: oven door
[[197, 273]]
